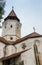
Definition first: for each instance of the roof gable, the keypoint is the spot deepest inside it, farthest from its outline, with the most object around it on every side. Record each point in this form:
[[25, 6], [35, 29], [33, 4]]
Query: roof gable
[[33, 34], [12, 15]]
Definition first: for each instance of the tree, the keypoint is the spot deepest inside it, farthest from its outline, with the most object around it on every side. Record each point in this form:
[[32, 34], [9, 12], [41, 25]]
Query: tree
[[2, 4]]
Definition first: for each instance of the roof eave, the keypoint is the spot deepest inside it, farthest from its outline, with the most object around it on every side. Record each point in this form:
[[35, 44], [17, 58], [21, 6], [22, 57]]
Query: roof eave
[[12, 18]]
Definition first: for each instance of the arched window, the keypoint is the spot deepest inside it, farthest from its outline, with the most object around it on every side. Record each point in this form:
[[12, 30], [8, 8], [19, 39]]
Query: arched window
[[36, 54], [37, 42]]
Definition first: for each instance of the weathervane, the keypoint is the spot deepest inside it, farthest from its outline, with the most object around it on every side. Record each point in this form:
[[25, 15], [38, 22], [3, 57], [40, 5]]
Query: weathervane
[[34, 29]]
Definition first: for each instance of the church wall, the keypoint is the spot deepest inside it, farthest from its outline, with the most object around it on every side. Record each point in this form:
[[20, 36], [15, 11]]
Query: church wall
[[2, 45], [29, 43], [40, 47], [10, 49], [40, 52], [18, 47], [29, 57]]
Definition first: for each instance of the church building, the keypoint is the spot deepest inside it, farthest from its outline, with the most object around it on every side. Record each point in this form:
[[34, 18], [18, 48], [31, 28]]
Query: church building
[[17, 50]]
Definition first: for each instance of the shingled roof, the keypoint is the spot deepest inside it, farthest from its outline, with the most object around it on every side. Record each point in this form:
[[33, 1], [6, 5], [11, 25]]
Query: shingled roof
[[12, 15]]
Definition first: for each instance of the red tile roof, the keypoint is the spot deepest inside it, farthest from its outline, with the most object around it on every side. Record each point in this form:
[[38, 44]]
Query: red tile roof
[[12, 15], [14, 55]]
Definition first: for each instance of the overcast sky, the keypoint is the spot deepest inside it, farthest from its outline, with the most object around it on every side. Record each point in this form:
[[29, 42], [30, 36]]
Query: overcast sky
[[29, 12]]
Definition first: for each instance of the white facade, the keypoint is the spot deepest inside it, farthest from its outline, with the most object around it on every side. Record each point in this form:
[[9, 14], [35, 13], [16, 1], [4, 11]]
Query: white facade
[[11, 29], [10, 49], [28, 57], [2, 49]]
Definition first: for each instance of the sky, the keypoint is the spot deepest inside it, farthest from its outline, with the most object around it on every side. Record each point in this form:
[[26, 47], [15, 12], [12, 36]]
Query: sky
[[29, 12]]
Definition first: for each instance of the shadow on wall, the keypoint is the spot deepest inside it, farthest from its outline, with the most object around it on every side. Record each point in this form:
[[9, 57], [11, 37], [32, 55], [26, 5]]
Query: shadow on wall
[[40, 58]]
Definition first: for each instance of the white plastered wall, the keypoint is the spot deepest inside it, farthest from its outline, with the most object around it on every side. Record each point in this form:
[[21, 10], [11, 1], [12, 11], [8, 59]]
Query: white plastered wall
[[10, 49], [10, 32], [2, 45], [28, 57]]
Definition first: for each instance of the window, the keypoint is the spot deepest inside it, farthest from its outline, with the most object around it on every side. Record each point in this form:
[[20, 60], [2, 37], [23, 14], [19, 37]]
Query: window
[[23, 45], [11, 26], [11, 38], [36, 54]]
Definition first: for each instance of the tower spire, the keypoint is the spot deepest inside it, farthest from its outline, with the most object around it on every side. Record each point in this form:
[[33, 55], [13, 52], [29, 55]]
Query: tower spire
[[12, 15]]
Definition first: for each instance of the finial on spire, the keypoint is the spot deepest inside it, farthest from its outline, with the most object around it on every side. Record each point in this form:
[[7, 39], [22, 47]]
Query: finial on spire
[[12, 7], [34, 29]]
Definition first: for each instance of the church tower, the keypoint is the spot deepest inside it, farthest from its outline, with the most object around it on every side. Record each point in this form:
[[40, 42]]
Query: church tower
[[11, 27]]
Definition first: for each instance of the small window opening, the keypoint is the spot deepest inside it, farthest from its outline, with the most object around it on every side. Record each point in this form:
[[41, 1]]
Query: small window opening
[[11, 26], [11, 38]]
